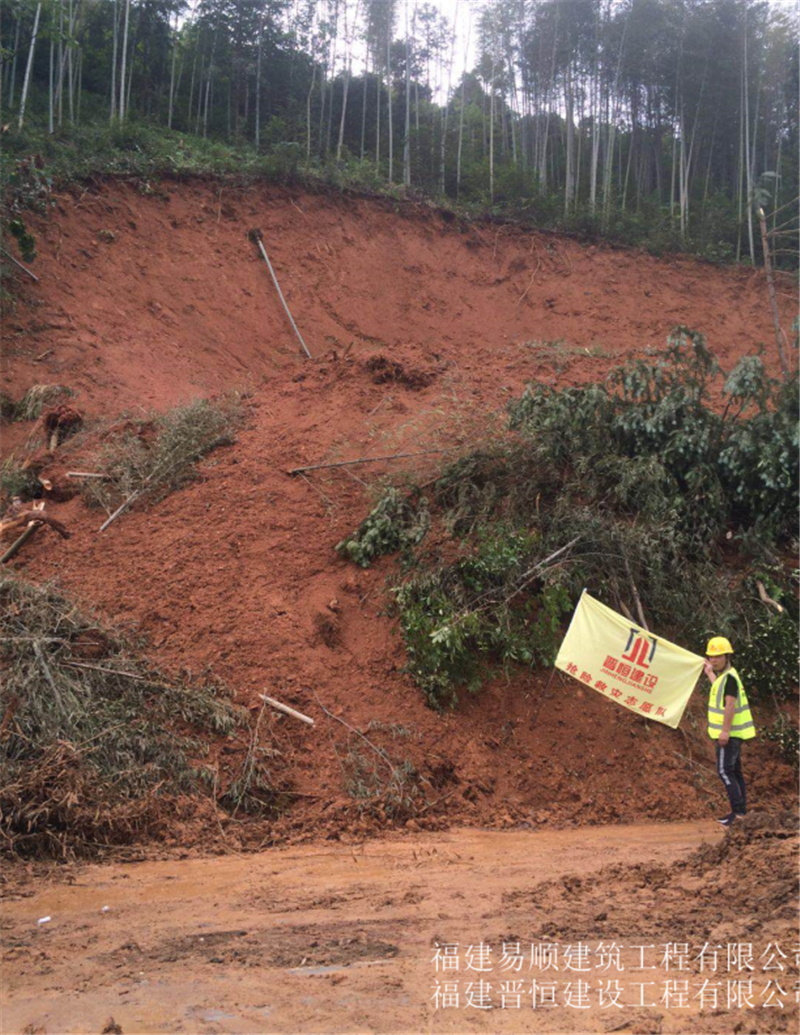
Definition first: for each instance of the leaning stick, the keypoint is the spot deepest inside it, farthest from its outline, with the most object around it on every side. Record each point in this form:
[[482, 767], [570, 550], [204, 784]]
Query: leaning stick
[[766, 598], [285, 709], [367, 460], [19, 543], [255, 235], [121, 510], [24, 269], [776, 319]]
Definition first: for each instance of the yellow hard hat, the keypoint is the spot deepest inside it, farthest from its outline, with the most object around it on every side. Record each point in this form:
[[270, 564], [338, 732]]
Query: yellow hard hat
[[718, 645]]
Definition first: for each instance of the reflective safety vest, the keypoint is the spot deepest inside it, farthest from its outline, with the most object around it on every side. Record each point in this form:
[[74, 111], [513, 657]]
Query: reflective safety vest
[[742, 725]]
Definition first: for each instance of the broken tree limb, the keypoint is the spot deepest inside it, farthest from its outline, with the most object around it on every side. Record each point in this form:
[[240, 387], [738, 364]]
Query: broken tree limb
[[367, 460], [121, 510], [86, 474], [636, 600], [256, 236], [766, 599], [20, 542], [771, 291], [285, 709], [24, 269]]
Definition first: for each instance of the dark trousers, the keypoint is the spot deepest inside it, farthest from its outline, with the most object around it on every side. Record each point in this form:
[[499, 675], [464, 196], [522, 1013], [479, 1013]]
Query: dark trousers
[[729, 767]]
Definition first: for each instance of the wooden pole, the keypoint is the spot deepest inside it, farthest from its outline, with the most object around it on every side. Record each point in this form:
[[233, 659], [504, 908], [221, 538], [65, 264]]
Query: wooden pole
[[24, 269], [285, 709], [776, 319], [368, 460], [121, 510], [255, 235], [19, 543]]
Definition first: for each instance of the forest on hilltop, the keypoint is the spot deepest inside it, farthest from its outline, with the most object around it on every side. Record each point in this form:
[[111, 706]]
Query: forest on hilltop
[[643, 119]]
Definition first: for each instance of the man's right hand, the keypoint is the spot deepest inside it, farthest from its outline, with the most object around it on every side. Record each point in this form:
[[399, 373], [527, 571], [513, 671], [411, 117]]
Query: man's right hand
[[709, 671]]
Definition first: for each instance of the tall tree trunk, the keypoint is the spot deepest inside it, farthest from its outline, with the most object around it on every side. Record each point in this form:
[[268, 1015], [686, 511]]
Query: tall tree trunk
[[258, 83], [407, 126], [26, 81], [112, 108], [364, 109], [447, 104], [70, 31], [12, 84], [51, 84], [491, 133], [172, 76], [308, 112], [389, 89], [748, 165], [463, 100], [121, 106]]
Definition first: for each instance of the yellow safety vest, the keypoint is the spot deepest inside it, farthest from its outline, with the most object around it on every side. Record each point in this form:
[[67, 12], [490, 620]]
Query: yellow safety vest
[[742, 725]]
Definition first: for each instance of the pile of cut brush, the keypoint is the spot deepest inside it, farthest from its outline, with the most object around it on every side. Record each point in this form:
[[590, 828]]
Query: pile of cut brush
[[96, 748]]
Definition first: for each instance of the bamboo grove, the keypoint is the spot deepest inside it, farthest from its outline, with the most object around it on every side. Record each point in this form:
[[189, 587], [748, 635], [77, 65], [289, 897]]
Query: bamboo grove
[[670, 116]]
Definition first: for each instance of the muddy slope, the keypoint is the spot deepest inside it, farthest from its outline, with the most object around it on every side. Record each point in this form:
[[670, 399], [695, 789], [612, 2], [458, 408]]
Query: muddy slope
[[238, 573], [148, 299]]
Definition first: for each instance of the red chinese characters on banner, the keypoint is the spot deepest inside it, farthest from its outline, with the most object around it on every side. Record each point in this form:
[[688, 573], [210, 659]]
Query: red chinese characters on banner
[[633, 677], [646, 707]]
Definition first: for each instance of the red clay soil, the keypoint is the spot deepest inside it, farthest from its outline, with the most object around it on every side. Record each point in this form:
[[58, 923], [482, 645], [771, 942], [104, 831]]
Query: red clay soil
[[147, 301]]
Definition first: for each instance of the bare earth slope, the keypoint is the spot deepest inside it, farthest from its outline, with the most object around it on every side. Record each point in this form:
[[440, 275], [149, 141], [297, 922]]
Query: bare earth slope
[[150, 299], [237, 572]]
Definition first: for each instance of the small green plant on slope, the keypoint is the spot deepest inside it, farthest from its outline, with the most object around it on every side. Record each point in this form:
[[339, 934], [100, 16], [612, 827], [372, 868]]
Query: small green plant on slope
[[165, 460], [395, 523]]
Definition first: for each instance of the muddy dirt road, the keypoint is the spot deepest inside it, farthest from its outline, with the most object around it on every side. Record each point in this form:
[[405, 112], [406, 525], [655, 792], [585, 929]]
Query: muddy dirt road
[[338, 938]]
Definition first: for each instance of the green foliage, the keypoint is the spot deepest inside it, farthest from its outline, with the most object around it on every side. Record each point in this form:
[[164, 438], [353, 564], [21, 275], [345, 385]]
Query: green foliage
[[633, 487], [25, 240], [787, 736], [16, 480], [462, 620], [769, 659], [36, 399], [395, 523], [656, 421], [161, 457]]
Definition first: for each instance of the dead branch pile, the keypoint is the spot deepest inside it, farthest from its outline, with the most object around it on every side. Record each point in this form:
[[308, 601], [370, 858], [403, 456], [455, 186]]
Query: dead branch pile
[[95, 747]]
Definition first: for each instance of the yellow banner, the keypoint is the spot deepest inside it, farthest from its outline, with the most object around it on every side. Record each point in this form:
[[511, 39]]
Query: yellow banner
[[643, 672]]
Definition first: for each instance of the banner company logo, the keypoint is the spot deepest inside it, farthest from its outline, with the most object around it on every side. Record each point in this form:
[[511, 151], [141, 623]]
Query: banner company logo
[[639, 650]]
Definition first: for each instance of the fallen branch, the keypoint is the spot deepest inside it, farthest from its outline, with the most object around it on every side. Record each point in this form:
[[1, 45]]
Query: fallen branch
[[285, 709], [86, 474], [636, 599], [24, 269], [771, 291], [378, 751], [20, 542], [121, 510], [438, 801], [256, 236], [766, 599], [368, 460], [109, 671]]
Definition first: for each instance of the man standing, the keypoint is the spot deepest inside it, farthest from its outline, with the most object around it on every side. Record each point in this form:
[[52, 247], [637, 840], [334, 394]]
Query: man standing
[[729, 723]]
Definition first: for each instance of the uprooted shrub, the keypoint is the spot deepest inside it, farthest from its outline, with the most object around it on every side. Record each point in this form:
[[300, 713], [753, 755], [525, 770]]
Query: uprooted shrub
[[641, 489], [96, 747], [396, 522], [164, 458]]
